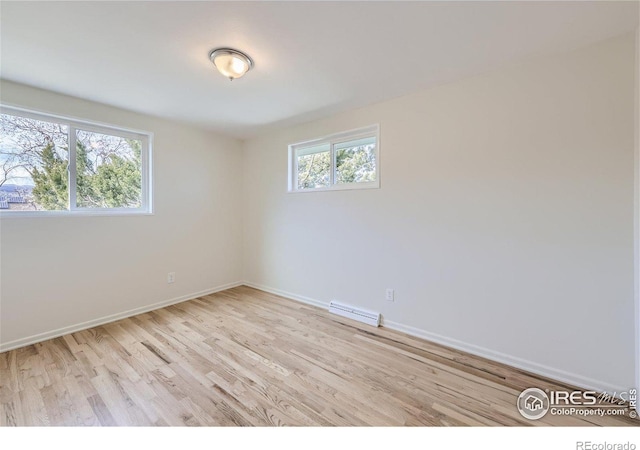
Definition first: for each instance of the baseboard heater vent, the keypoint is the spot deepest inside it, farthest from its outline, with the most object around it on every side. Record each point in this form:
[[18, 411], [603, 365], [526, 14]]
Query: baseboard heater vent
[[351, 312]]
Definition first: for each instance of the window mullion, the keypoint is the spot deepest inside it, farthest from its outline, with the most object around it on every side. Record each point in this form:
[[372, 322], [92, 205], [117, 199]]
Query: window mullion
[[294, 173], [73, 169], [332, 156], [146, 180]]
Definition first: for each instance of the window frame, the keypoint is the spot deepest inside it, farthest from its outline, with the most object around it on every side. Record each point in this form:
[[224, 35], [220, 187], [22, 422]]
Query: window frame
[[333, 140], [74, 124]]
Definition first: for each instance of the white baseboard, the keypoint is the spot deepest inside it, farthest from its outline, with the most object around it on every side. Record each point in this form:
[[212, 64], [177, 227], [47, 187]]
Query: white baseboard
[[520, 363], [299, 298], [29, 340], [513, 361]]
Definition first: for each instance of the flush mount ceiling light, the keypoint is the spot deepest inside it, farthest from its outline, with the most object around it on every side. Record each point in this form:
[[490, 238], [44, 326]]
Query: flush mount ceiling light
[[230, 63]]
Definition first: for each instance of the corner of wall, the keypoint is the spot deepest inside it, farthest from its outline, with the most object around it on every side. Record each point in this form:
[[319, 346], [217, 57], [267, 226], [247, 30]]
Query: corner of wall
[[636, 271], [243, 201]]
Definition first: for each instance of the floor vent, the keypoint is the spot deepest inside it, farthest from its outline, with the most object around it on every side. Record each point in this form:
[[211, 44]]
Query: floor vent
[[351, 312]]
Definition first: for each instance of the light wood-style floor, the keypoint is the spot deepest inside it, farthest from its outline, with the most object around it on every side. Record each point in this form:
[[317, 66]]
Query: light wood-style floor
[[245, 357]]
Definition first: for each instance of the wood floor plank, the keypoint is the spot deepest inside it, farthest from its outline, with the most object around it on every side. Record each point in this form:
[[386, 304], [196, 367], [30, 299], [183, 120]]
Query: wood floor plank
[[243, 357]]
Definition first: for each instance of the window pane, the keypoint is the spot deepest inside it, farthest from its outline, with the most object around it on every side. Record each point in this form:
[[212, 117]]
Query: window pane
[[356, 161], [314, 167], [109, 171], [34, 159]]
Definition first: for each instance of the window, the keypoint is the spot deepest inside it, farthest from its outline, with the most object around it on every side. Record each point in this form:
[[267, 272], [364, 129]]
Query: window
[[52, 164], [347, 160]]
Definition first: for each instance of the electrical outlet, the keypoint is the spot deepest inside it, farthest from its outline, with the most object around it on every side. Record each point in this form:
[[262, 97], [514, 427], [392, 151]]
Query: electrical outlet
[[171, 277], [390, 295]]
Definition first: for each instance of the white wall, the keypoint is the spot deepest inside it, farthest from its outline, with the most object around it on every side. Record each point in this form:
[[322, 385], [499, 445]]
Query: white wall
[[63, 271], [504, 221]]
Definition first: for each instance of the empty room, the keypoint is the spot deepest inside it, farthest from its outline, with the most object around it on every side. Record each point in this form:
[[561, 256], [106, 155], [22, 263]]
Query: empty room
[[365, 216]]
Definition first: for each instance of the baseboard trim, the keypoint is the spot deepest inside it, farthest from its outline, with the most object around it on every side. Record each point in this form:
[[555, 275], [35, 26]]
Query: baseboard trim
[[513, 361], [542, 370], [29, 340], [289, 295]]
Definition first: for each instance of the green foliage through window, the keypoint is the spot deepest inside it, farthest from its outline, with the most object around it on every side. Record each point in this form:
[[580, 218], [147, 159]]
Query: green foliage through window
[[109, 171], [34, 167], [314, 170], [51, 178], [345, 159], [356, 164]]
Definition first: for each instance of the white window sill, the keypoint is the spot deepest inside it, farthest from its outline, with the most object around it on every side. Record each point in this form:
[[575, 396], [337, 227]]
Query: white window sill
[[50, 214], [338, 187]]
